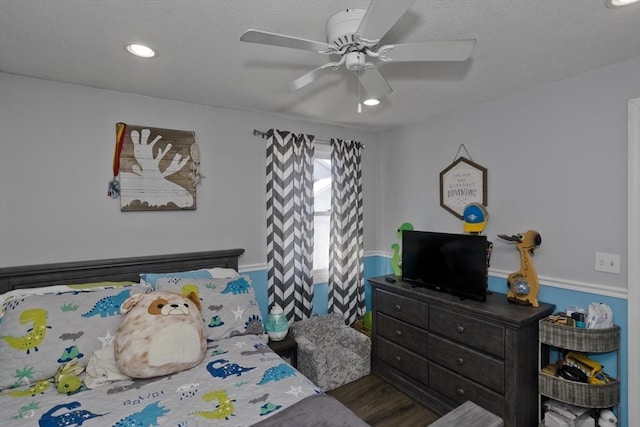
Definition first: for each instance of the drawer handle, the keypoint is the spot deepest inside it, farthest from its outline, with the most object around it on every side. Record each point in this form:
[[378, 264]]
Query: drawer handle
[[399, 332], [460, 392], [398, 359], [460, 361], [460, 329], [397, 307]]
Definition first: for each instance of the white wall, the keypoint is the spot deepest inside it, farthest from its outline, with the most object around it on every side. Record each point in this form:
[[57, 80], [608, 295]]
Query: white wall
[[556, 159], [56, 151], [557, 162]]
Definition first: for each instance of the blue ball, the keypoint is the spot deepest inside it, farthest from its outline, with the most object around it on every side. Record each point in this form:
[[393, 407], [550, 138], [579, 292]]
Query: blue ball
[[520, 287]]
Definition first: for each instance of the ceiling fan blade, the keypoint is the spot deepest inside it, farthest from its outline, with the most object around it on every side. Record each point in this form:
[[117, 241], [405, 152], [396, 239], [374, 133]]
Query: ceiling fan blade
[[309, 77], [453, 50], [264, 37], [373, 83], [381, 16]]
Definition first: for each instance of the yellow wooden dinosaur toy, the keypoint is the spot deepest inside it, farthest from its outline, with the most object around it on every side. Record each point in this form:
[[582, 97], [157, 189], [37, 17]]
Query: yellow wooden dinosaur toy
[[523, 284]]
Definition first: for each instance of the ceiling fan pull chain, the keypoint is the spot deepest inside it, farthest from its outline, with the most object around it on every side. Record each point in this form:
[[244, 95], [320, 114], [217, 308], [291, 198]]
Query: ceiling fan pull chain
[[359, 98]]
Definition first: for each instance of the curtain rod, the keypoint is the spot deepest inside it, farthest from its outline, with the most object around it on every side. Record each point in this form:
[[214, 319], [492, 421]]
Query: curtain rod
[[263, 135]]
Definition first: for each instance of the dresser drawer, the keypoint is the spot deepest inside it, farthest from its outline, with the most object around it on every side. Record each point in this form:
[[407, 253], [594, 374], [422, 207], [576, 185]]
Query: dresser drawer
[[468, 330], [402, 360], [461, 389], [402, 333], [472, 364], [411, 311]]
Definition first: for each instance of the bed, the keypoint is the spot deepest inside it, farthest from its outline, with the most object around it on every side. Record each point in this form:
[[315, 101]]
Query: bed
[[240, 382]]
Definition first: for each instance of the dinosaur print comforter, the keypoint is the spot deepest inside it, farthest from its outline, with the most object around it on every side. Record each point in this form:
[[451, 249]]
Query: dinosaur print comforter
[[241, 382]]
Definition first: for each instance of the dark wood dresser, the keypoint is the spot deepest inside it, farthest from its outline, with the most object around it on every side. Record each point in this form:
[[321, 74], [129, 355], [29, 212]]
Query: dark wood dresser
[[443, 351]]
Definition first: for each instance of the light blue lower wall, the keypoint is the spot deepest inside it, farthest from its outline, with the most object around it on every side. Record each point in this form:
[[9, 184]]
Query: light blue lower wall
[[377, 265], [373, 266], [259, 280]]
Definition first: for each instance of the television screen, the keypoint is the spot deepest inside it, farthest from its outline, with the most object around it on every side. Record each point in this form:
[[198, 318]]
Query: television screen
[[454, 263]]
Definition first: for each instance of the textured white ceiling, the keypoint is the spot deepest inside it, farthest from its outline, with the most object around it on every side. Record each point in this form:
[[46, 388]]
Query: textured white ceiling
[[520, 44]]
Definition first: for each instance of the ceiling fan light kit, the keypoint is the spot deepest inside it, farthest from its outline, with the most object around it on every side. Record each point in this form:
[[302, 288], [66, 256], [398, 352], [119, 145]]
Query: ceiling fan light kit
[[355, 34], [355, 61]]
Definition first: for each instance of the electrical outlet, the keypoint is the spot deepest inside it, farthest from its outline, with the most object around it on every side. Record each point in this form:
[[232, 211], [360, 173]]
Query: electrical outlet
[[608, 263]]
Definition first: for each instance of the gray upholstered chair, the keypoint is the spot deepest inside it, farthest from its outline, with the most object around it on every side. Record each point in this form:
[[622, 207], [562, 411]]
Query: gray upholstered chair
[[330, 353]]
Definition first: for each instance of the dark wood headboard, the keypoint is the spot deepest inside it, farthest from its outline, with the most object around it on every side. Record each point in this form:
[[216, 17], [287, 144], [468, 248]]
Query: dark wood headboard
[[116, 269]]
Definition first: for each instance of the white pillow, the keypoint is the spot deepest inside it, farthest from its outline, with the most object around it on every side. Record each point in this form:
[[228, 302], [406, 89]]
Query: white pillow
[[223, 273]]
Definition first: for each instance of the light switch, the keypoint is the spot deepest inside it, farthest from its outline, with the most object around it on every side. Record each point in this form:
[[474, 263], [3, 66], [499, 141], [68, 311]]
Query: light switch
[[608, 263]]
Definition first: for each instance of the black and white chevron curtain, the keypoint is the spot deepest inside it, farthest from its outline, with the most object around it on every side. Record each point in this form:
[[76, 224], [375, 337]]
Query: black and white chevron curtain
[[346, 250], [290, 222]]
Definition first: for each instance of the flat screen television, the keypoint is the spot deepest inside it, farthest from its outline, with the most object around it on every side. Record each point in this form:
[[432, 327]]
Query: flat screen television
[[453, 263]]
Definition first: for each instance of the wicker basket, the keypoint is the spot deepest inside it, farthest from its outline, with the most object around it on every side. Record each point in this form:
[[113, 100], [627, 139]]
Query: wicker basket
[[579, 339], [580, 394]]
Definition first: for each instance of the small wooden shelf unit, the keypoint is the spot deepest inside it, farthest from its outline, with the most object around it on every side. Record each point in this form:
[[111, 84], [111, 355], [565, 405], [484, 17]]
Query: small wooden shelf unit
[[561, 337]]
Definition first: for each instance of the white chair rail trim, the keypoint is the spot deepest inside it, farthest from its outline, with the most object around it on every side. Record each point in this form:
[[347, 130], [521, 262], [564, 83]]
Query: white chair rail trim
[[572, 285]]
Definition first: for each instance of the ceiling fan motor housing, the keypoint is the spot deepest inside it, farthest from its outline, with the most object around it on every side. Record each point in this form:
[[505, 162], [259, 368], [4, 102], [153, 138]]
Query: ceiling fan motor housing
[[343, 25]]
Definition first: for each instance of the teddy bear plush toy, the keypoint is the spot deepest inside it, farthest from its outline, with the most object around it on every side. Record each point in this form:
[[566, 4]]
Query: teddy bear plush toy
[[162, 333]]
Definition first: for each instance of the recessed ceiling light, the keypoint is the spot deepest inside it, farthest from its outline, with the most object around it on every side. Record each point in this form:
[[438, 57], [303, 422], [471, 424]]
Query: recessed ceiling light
[[140, 50], [371, 102], [619, 3]]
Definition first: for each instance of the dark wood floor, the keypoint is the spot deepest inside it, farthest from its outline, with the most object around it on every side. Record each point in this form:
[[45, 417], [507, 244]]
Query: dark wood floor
[[380, 404]]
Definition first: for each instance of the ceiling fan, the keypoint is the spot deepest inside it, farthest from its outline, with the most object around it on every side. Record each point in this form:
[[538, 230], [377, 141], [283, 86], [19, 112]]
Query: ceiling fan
[[354, 35]]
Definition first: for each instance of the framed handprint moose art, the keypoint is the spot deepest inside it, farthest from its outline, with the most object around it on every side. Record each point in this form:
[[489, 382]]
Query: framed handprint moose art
[[157, 168]]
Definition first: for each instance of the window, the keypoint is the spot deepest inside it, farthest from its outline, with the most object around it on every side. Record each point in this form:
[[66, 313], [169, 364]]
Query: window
[[322, 213]]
